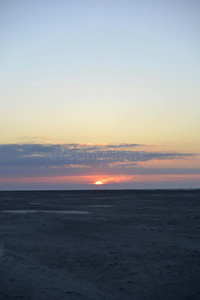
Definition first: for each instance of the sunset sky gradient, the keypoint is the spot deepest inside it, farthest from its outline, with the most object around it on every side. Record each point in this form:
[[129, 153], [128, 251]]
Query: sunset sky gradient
[[99, 91]]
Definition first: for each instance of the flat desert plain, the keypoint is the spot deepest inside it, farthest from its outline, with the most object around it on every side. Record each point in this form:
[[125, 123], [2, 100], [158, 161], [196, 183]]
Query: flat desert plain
[[101, 244]]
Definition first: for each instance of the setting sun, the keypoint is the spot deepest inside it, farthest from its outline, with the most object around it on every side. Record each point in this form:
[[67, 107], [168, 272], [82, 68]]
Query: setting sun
[[98, 182]]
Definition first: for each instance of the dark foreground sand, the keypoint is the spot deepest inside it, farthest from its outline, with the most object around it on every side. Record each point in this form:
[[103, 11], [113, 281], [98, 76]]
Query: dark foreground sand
[[127, 245]]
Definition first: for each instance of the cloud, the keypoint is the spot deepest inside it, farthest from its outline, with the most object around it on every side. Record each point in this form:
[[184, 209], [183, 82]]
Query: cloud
[[75, 160], [69, 155]]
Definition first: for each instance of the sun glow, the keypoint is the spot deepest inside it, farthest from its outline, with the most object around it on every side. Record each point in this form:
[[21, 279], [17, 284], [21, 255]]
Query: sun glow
[[98, 182]]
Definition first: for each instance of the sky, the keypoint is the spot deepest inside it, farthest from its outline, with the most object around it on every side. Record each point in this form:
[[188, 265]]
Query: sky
[[99, 91]]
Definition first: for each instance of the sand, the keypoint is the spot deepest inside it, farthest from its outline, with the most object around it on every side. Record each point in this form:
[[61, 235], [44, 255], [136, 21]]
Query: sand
[[113, 245]]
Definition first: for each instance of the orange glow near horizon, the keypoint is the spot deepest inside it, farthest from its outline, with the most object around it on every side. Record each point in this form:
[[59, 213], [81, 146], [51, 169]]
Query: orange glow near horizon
[[92, 179], [98, 182]]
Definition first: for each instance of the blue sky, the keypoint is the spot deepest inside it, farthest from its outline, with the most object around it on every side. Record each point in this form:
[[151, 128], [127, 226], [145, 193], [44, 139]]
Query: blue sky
[[64, 40]]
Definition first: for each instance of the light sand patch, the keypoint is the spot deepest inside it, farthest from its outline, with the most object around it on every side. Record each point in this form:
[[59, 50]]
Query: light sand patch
[[25, 211], [99, 205]]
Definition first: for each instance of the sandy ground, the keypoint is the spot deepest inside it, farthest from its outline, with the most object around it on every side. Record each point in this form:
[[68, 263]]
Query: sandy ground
[[100, 245]]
